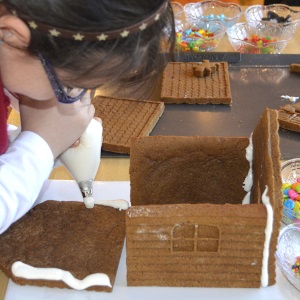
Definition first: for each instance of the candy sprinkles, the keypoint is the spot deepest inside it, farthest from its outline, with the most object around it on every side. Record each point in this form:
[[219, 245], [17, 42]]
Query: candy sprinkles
[[296, 267], [261, 45], [291, 202], [196, 40]]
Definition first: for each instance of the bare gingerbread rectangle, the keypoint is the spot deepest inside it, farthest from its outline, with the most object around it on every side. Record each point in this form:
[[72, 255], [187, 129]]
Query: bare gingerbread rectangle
[[180, 85], [124, 119]]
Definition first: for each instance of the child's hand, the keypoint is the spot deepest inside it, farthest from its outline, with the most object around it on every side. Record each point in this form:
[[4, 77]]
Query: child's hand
[[77, 142], [60, 125]]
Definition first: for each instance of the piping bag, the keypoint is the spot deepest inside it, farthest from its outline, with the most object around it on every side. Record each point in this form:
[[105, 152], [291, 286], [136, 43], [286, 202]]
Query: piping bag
[[83, 161]]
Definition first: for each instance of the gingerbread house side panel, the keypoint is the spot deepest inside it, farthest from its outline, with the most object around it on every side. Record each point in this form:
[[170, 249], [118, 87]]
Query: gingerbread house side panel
[[187, 248], [267, 178], [173, 169]]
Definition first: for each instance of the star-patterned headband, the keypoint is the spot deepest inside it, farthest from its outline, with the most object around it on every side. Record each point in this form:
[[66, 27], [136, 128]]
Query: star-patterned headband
[[89, 36]]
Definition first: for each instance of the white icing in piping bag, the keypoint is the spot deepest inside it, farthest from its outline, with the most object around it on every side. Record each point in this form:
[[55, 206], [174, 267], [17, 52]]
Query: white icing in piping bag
[[83, 161], [20, 269]]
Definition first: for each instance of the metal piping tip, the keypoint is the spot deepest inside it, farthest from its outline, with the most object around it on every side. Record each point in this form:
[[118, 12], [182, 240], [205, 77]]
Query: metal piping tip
[[86, 188]]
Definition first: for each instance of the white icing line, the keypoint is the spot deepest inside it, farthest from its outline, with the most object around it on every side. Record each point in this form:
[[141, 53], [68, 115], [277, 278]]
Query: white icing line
[[20, 269], [248, 182], [118, 203], [268, 233], [246, 199]]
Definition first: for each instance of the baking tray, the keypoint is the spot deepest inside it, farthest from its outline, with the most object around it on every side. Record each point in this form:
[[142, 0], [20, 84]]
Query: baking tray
[[257, 81]]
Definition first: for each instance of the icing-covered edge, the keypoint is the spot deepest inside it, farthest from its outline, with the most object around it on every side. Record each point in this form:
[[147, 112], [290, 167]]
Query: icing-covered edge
[[268, 233], [248, 182], [20, 269]]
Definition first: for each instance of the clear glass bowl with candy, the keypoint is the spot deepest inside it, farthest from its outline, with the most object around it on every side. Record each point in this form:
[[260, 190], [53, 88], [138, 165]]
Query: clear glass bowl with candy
[[202, 37], [288, 253], [276, 14], [226, 13], [258, 38], [290, 174]]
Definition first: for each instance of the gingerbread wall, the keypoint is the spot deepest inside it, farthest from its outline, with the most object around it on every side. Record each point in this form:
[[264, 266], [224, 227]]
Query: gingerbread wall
[[195, 245], [215, 240]]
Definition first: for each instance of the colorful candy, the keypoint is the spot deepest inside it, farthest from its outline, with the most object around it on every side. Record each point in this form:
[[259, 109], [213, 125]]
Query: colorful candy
[[296, 266], [261, 45], [291, 198], [213, 17], [196, 40]]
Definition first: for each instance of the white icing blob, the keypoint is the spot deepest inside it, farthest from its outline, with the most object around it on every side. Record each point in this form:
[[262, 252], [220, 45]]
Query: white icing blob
[[268, 233], [248, 182], [290, 98], [89, 202], [118, 203], [20, 269]]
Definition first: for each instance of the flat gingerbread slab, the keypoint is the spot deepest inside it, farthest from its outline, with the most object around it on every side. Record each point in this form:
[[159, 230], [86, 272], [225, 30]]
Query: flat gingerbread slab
[[181, 85], [289, 117], [68, 236], [124, 119]]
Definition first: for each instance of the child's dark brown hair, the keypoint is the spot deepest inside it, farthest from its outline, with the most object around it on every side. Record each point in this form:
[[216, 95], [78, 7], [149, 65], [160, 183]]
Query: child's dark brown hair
[[127, 60]]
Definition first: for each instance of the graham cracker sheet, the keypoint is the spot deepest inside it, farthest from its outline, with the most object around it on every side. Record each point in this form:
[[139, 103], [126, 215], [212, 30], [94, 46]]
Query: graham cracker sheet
[[123, 119]]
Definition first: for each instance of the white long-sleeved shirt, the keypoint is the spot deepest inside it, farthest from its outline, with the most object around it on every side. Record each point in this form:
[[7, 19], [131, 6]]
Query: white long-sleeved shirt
[[24, 167]]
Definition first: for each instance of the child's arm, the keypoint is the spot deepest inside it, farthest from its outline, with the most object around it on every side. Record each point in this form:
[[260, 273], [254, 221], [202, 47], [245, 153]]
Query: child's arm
[[23, 169], [48, 128]]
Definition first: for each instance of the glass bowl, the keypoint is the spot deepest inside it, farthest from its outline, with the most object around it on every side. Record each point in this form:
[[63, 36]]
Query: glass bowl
[[226, 13], [258, 38], [201, 38], [178, 15], [290, 172], [288, 253], [275, 13]]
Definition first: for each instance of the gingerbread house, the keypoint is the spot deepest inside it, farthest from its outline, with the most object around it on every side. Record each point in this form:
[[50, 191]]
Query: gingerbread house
[[191, 222]]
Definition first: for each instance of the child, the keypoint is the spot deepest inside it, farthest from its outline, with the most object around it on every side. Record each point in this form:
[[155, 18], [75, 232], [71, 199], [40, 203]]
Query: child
[[49, 47]]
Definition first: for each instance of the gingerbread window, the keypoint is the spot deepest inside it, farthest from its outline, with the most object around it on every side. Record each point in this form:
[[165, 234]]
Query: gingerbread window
[[195, 238]]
